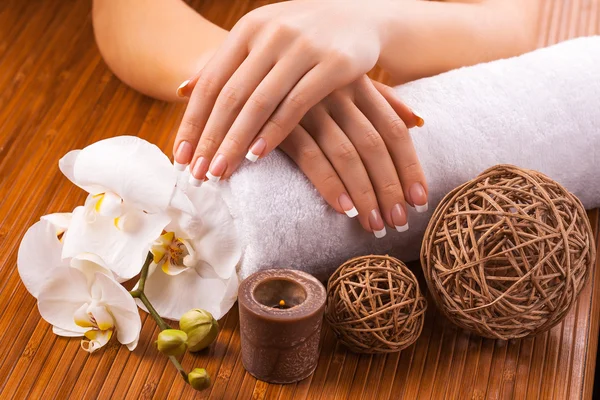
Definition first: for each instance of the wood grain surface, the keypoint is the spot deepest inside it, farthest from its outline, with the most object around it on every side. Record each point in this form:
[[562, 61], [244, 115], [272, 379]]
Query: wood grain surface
[[56, 94]]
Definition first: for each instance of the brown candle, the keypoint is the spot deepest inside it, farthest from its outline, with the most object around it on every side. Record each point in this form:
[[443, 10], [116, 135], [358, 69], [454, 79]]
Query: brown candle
[[281, 313]]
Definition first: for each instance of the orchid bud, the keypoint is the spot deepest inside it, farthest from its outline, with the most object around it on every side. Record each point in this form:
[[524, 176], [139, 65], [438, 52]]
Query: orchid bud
[[201, 328], [199, 379], [171, 342]]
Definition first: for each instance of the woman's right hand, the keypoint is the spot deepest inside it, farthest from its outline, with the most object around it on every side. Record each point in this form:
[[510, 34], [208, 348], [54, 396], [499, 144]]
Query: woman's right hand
[[355, 148]]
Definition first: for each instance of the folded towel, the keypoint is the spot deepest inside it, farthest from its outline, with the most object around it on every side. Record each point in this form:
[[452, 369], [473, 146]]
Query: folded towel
[[539, 111]]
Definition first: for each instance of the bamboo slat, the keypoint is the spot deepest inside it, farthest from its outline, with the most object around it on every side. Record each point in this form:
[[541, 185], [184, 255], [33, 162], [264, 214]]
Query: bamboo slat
[[56, 94]]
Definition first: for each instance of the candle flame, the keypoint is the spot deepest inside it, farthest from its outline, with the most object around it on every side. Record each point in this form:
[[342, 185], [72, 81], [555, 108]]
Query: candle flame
[[281, 303]]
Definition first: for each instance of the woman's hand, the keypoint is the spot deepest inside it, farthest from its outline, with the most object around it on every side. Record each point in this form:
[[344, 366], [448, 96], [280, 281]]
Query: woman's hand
[[277, 62], [356, 150]]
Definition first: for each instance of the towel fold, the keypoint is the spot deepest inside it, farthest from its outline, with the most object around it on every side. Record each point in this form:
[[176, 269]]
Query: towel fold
[[539, 111]]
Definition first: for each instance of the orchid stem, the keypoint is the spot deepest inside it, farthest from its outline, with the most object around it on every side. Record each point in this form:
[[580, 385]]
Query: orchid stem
[[139, 294]]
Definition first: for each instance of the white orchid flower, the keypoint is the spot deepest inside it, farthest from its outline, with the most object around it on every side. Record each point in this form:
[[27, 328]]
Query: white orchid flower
[[77, 296], [132, 184], [195, 260]]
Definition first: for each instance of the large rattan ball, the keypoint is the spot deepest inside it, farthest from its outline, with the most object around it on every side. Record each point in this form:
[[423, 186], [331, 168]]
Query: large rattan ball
[[506, 254], [374, 305]]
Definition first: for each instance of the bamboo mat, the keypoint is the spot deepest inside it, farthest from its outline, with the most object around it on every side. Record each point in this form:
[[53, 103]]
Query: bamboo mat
[[56, 95]]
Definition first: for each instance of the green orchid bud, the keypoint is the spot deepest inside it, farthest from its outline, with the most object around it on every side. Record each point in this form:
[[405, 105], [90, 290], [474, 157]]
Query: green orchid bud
[[199, 379], [172, 342], [201, 328]]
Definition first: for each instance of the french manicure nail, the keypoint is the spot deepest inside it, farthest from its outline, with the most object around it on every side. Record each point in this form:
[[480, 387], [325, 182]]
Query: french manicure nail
[[418, 197], [182, 87], [399, 218], [420, 120], [182, 156], [217, 168], [347, 205], [200, 167], [376, 224], [256, 149]]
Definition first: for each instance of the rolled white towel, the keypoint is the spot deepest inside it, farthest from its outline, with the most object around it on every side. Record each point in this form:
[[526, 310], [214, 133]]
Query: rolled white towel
[[539, 111]]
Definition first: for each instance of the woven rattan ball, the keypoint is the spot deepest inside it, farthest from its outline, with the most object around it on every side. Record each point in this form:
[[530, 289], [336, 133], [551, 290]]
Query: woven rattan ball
[[506, 254], [374, 305]]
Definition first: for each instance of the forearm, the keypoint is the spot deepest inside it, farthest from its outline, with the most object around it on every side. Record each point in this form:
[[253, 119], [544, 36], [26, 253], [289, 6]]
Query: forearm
[[426, 38], [155, 45]]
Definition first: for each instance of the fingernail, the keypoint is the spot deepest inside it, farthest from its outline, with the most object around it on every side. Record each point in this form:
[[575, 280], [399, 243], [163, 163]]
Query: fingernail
[[347, 205], [420, 120], [399, 218], [200, 167], [182, 156], [217, 168], [418, 197], [181, 88], [256, 149], [376, 224]]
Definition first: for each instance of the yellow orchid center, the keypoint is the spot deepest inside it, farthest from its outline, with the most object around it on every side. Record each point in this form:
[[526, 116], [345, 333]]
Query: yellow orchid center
[[100, 323], [172, 254]]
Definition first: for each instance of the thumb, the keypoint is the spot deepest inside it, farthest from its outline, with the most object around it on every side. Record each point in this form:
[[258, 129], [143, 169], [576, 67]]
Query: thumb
[[408, 115]]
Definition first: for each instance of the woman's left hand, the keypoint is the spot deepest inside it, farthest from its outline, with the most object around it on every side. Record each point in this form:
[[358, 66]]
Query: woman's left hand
[[276, 64]]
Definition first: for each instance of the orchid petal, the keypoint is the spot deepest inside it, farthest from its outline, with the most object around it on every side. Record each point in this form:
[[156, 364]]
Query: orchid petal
[[137, 171], [61, 221], [62, 296], [172, 296], [123, 251], [39, 255], [108, 205], [211, 231], [121, 306], [89, 264], [82, 317], [63, 332], [102, 317]]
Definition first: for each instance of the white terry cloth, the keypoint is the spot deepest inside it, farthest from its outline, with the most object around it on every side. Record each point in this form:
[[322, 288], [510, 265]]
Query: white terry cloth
[[539, 111]]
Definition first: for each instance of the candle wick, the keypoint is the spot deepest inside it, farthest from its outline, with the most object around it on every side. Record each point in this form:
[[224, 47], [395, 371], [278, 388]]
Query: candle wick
[[281, 303]]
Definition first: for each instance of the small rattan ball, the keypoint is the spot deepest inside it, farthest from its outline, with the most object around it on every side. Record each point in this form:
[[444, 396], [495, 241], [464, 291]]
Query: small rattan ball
[[506, 254], [374, 305]]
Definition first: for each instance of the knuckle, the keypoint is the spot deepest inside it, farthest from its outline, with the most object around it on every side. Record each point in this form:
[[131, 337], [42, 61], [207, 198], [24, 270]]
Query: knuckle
[[346, 152], [276, 124], [397, 127], [206, 84], [229, 97], [296, 101], [207, 144], [260, 102], [189, 128], [233, 142], [391, 188], [308, 154], [366, 193], [329, 180], [412, 170], [372, 140]]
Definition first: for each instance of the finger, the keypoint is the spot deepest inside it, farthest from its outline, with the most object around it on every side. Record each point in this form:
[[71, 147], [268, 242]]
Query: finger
[[398, 142], [207, 87], [229, 103], [305, 152], [345, 158], [410, 117], [240, 139], [317, 83], [375, 156]]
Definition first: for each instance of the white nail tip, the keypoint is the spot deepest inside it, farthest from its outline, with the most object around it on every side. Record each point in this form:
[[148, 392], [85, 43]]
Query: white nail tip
[[179, 167], [422, 209], [351, 213], [250, 156], [181, 87], [379, 234], [212, 178], [195, 182], [402, 228]]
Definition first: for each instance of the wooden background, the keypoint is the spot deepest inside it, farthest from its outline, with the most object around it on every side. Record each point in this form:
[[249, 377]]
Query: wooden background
[[56, 94]]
